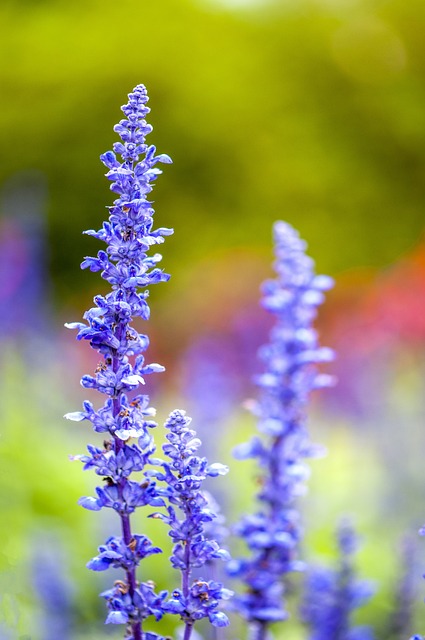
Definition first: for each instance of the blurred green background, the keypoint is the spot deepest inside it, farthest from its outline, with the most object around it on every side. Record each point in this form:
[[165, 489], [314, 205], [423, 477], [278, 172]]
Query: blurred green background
[[312, 111]]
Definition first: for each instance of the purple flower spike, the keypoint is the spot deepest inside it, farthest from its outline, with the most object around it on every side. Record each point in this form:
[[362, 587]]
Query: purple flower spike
[[331, 595], [127, 266], [290, 375], [188, 515]]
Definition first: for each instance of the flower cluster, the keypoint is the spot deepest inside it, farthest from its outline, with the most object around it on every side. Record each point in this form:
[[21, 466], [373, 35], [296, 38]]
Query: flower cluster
[[332, 595], [188, 513], [127, 267], [291, 358], [291, 371]]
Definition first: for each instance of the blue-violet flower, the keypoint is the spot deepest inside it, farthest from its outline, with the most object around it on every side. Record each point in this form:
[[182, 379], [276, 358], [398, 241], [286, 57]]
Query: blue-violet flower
[[332, 595], [188, 514], [290, 360], [127, 267]]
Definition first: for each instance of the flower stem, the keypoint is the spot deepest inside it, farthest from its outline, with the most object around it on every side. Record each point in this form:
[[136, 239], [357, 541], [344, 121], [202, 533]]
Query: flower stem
[[131, 574], [125, 518], [261, 631], [187, 631], [186, 588]]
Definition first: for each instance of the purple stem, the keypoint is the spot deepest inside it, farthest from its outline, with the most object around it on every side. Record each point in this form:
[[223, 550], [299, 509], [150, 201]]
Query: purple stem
[[261, 631], [187, 631], [185, 587], [125, 518]]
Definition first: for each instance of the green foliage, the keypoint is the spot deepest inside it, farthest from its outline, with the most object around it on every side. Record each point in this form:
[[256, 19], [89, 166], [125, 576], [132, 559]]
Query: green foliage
[[311, 111]]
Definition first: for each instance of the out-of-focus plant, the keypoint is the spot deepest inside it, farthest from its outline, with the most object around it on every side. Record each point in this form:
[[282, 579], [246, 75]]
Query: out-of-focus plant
[[24, 284], [54, 590], [332, 595], [290, 359]]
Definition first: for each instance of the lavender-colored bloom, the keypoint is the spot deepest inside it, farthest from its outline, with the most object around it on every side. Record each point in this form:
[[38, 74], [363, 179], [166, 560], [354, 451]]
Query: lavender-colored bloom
[[24, 282], [290, 374], [332, 595], [124, 607], [53, 589], [188, 513], [117, 554], [127, 267], [401, 619]]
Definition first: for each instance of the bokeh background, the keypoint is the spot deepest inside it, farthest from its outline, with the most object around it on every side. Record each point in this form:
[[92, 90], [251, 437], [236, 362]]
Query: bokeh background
[[311, 111]]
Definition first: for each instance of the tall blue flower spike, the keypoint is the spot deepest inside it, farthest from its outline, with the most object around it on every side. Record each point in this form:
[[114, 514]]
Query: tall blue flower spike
[[124, 420], [290, 374], [331, 595], [189, 513]]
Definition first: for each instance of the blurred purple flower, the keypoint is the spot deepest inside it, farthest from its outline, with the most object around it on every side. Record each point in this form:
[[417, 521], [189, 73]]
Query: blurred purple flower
[[53, 590], [23, 256], [331, 595], [290, 360], [213, 381]]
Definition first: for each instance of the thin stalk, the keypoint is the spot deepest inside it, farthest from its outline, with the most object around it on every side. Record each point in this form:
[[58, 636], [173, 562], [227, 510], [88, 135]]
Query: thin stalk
[[261, 633], [186, 588], [125, 518]]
